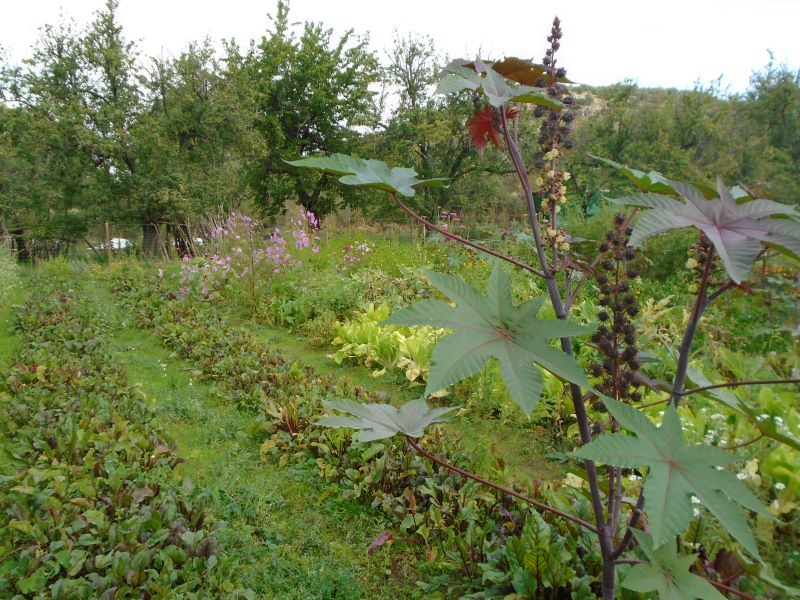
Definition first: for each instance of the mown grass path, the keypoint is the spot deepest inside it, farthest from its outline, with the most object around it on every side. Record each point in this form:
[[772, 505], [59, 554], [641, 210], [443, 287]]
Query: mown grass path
[[294, 537]]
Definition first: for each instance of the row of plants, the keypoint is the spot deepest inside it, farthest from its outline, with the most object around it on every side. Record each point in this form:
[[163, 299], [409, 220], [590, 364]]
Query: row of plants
[[90, 506], [474, 539]]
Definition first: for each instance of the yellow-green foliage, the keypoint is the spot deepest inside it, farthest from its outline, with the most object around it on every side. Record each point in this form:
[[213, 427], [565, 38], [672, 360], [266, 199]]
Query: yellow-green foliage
[[406, 348]]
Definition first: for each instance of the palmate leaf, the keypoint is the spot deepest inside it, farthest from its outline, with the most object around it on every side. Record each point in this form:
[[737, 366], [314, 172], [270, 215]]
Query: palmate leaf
[[737, 230], [656, 182], [486, 326], [481, 77], [520, 70], [766, 427], [369, 173], [647, 182], [482, 128], [667, 574], [676, 472], [378, 421]]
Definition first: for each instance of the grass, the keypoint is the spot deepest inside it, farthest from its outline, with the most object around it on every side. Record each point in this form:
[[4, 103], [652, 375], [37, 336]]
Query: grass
[[8, 310], [293, 536]]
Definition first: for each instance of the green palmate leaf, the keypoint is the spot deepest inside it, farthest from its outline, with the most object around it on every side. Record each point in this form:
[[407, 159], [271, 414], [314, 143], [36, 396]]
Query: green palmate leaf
[[647, 182], [491, 326], [481, 77], [369, 173], [667, 574], [378, 421], [676, 473], [766, 427], [737, 230]]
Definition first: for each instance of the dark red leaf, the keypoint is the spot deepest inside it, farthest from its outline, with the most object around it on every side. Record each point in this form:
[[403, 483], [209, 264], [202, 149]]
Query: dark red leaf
[[482, 127], [379, 541], [525, 72]]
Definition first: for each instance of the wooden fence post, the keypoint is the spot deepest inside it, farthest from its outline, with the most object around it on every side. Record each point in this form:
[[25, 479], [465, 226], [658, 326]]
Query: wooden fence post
[[108, 244]]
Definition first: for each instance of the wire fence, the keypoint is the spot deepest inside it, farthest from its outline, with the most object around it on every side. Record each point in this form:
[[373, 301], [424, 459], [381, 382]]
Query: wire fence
[[174, 239]]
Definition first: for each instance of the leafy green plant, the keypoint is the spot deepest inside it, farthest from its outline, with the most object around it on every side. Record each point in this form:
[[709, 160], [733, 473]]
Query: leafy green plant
[[388, 347], [90, 505]]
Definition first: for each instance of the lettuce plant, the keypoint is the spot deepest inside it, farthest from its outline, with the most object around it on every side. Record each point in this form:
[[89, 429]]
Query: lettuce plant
[[614, 435]]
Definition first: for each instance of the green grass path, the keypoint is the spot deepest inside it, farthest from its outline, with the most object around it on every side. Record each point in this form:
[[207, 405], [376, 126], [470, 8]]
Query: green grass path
[[292, 536]]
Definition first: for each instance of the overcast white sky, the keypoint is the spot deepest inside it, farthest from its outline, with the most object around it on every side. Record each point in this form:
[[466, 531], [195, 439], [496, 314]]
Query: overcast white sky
[[658, 43]]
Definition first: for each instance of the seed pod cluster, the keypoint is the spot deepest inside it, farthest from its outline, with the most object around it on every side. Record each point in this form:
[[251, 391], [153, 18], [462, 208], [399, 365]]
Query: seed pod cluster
[[615, 338], [556, 127], [556, 238]]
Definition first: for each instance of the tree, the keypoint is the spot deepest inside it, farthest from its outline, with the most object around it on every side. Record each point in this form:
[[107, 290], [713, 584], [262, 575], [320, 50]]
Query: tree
[[49, 185], [308, 95], [772, 109], [113, 103], [187, 140], [432, 129]]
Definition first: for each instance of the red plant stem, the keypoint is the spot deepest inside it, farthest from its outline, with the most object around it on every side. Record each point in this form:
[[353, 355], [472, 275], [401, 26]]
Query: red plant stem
[[453, 236], [499, 488], [744, 444], [685, 349], [730, 590], [632, 522], [603, 535], [721, 290], [654, 403], [738, 383]]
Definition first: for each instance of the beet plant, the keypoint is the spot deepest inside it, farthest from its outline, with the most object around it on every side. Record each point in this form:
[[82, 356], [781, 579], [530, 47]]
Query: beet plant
[[615, 436]]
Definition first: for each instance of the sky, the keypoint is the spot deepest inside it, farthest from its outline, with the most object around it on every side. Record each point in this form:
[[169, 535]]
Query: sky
[[657, 44]]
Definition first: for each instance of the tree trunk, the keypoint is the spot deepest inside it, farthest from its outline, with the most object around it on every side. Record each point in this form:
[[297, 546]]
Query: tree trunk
[[150, 239]]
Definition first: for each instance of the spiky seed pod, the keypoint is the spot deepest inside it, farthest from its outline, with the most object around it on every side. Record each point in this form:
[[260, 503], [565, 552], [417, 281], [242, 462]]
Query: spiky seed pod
[[617, 344]]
